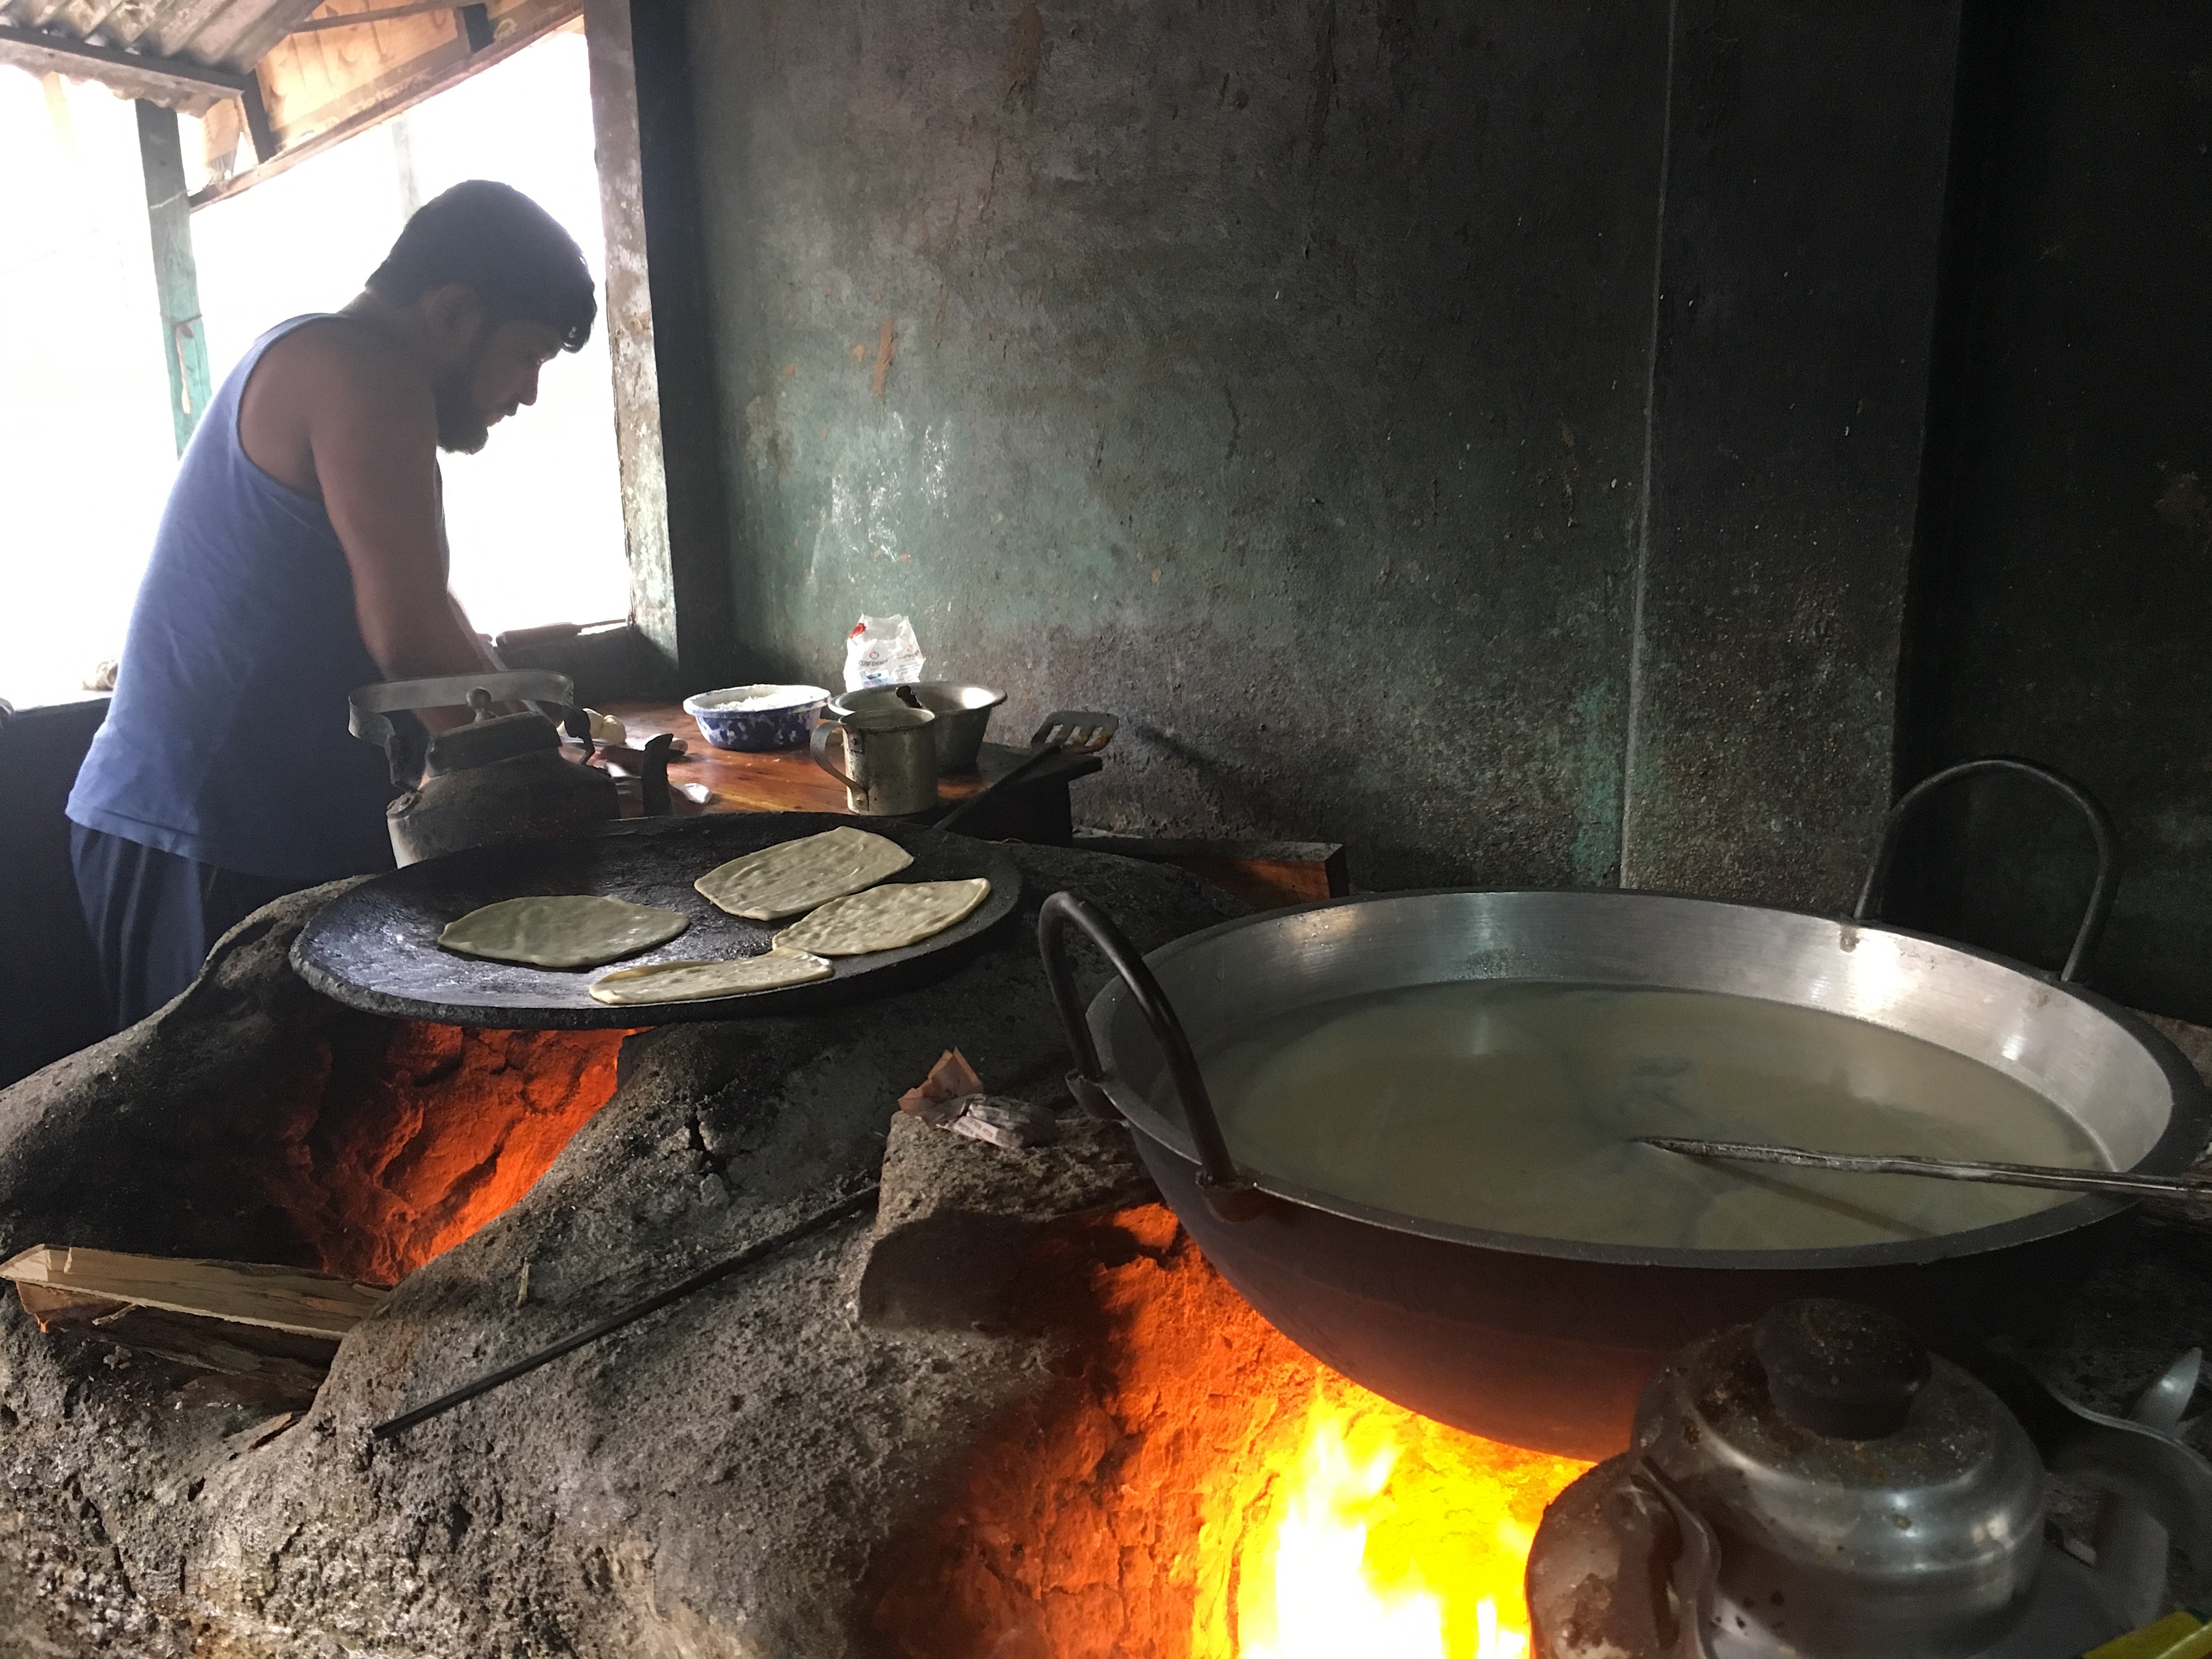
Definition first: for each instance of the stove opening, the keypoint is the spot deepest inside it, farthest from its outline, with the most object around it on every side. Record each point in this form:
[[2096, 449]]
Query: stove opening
[[1193, 1484], [422, 1133]]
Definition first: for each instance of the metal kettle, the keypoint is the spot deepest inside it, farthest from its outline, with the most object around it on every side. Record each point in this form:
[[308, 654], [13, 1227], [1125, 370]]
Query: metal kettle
[[1818, 1485], [501, 777]]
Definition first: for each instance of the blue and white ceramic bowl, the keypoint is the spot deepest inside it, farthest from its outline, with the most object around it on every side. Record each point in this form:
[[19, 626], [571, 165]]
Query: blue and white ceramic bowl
[[757, 717]]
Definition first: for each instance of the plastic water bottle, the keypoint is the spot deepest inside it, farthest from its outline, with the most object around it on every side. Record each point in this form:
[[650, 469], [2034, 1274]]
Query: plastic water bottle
[[882, 650]]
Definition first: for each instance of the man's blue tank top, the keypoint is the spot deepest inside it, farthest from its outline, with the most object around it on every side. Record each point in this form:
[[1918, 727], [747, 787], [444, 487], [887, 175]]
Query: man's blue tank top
[[225, 741]]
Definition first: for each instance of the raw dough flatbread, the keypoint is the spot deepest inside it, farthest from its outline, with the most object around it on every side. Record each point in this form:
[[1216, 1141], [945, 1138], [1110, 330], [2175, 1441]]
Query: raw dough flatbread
[[884, 918], [690, 982], [561, 930], [793, 877]]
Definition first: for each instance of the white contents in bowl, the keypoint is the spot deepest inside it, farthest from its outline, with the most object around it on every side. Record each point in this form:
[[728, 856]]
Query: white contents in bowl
[[1515, 1107], [746, 699]]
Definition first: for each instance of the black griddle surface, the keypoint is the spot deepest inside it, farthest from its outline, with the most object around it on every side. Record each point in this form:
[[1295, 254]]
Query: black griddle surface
[[375, 947]]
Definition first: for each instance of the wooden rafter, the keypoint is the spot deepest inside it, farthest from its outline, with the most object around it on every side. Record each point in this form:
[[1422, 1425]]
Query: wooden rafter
[[170, 81], [354, 19]]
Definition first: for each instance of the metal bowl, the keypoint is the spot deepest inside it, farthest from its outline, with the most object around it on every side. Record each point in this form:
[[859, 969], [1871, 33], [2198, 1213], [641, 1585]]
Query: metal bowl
[[757, 717], [962, 713], [1545, 1342]]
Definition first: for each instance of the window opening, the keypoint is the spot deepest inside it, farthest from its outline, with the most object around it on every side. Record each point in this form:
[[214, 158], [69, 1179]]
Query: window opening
[[87, 447], [87, 444], [535, 519]]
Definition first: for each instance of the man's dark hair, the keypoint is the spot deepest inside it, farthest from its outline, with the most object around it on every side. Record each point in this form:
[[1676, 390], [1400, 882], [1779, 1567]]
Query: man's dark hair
[[495, 239]]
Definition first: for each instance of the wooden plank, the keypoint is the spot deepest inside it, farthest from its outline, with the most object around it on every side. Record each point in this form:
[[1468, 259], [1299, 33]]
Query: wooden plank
[[176, 273], [1267, 875], [257, 126], [290, 1299], [320, 92], [290, 1364], [246, 37], [175, 82], [359, 19]]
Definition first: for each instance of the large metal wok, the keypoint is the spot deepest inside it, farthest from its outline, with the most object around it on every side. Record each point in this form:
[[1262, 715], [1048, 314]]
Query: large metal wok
[[1546, 1343]]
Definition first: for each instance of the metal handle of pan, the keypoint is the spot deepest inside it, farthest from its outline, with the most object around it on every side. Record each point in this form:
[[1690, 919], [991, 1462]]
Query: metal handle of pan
[[1226, 1192], [967, 809], [1876, 888]]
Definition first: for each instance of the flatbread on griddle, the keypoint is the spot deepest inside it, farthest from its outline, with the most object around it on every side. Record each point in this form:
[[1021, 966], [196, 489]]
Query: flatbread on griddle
[[692, 981], [561, 930], [793, 877], [884, 918]]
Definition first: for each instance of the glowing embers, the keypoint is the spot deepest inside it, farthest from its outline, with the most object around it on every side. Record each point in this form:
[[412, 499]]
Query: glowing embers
[[425, 1132], [1373, 1532]]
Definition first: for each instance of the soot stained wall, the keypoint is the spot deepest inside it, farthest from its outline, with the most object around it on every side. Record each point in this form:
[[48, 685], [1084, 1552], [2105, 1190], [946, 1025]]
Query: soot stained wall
[[1273, 375], [2071, 564], [1808, 167]]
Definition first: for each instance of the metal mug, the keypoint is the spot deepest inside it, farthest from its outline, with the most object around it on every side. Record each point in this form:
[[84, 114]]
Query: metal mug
[[891, 759]]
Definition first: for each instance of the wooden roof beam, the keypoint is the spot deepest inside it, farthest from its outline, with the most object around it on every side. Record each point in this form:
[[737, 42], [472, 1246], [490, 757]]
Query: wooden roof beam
[[175, 82]]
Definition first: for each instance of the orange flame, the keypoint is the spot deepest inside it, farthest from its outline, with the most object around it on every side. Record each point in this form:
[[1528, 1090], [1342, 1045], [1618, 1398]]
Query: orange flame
[[1378, 1532], [1187, 1484]]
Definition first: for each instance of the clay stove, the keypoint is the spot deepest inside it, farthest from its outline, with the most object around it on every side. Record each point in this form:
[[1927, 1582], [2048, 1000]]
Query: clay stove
[[1015, 1416]]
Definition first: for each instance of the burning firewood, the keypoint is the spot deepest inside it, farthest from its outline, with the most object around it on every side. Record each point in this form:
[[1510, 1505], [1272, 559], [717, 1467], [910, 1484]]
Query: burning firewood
[[951, 1098]]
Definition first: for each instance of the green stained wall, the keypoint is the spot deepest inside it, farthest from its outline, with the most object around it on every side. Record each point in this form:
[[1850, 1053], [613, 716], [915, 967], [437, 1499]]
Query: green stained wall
[[1457, 430], [1270, 376]]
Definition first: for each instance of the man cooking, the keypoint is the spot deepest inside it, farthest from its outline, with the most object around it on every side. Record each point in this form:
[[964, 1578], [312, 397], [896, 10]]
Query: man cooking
[[302, 554]]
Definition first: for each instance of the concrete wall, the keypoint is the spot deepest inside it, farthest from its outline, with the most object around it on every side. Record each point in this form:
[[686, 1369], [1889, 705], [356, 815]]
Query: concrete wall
[[1272, 376], [2070, 566], [1292, 379]]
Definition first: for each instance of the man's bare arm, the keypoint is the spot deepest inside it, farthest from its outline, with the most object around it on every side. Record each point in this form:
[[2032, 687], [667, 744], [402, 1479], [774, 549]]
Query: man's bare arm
[[372, 430]]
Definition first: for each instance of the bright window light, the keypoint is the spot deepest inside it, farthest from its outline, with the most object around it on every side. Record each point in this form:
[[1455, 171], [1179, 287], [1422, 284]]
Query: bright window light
[[87, 450], [535, 519]]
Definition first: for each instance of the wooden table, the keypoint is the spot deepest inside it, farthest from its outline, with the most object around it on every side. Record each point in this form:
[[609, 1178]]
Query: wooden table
[[788, 781]]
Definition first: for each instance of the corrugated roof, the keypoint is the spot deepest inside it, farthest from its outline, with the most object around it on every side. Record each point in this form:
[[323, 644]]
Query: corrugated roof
[[147, 48]]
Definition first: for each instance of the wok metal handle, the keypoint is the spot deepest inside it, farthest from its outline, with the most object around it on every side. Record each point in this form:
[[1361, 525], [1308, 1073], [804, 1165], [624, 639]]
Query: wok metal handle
[[1226, 1192], [1875, 887]]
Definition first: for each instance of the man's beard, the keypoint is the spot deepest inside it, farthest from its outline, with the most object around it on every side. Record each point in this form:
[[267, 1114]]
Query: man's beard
[[461, 430]]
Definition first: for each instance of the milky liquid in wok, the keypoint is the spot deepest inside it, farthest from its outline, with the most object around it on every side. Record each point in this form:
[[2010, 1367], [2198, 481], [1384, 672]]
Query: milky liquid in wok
[[1510, 1106]]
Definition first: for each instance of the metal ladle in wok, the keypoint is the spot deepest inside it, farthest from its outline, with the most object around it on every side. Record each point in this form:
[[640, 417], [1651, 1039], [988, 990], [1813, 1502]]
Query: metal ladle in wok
[[1546, 1342], [2109, 1183]]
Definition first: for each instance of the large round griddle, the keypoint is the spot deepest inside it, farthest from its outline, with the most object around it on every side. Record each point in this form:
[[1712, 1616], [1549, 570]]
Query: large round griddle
[[375, 947]]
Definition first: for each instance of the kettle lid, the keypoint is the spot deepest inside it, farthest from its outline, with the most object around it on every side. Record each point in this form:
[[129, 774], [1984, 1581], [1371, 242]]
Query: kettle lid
[[1860, 1487], [1839, 1369], [484, 741]]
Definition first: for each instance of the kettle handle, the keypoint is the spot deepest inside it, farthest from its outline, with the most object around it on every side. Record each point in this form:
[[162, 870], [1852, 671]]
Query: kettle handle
[[2133, 1460], [1226, 1192], [368, 709], [1875, 887], [819, 743]]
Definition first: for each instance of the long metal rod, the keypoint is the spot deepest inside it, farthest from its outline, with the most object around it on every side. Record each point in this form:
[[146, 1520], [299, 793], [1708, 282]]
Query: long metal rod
[[821, 1221], [2111, 1184]]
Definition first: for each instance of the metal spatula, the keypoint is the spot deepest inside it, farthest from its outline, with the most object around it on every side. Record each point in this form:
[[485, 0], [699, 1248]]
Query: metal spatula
[[1065, 731], [2196, 1190]]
